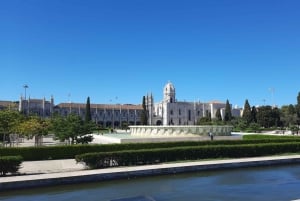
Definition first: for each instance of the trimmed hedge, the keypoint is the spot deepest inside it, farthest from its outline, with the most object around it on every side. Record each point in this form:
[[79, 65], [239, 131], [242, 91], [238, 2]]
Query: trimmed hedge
[[276, 137], [68, 151], [10, 164], [146, 156]]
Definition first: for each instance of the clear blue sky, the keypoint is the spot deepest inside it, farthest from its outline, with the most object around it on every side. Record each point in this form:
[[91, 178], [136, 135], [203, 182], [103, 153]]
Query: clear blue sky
[[209, 49]]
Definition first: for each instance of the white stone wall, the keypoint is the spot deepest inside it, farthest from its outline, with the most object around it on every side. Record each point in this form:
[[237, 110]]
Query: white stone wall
[[160, 131], [172, 112]]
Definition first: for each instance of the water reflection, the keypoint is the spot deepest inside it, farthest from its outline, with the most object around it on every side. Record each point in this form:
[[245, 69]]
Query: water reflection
[[268, 183]]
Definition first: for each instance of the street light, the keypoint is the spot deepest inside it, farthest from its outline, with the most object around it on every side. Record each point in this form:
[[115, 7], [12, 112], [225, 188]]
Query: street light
[[25, 86]]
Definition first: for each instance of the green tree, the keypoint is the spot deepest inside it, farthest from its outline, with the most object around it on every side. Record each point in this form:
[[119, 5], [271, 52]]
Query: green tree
[[69, 128], [228, 115], [276, 117], [268, 117], [89, 126], [144, 113], [241, 124], [34, 127], [288, 115], [298, 109], [204, 121], [9, 121], [247, 115], [253, 114], [208, 115], [254, 127], [88, 116], [218, 115], [291, 109]]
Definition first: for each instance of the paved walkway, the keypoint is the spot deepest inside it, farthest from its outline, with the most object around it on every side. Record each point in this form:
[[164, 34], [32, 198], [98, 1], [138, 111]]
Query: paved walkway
[[58, 172], [50, 166]]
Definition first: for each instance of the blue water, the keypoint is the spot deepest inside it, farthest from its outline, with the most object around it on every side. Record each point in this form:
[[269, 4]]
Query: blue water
[[267, 183]]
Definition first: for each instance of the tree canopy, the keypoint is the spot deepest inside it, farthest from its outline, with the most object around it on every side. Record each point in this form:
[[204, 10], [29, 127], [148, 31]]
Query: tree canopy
[[68, 128], [88, 116], [247, 115], [228, 114], [144, 114], [218, 115]]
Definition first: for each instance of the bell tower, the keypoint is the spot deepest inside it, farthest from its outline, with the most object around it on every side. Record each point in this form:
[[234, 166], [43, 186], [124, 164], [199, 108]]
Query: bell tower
[[169, 93]]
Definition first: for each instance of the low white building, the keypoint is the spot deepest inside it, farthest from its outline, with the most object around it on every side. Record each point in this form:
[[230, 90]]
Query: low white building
[[169, 111]]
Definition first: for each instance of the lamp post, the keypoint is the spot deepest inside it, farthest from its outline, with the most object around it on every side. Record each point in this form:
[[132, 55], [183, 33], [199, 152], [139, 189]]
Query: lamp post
[[25, 86]]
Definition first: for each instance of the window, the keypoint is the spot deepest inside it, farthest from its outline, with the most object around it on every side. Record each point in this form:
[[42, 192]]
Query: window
[[171, 112], [179, 112], [189, 115]]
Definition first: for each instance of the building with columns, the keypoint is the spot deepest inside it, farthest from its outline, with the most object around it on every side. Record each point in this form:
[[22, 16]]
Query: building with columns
[[106, 115], [39, 107], [9, 105], [170, 111]]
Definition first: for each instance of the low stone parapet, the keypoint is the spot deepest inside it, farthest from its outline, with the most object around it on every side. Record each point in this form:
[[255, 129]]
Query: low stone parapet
[[180, 130]]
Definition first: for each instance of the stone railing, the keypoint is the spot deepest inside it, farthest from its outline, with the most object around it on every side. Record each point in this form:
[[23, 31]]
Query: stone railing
[[156, 131]]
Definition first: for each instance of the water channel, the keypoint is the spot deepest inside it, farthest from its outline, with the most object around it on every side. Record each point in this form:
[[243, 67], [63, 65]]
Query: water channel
[[260, 183]]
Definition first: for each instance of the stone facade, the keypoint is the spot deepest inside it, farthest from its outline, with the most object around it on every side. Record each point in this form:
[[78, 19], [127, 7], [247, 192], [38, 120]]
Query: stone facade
[[9, 105], [39, 107], [107, 115], [169, 111]]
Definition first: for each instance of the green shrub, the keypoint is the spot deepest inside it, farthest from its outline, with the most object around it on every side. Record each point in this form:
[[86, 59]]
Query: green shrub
[[271, 137], [151, 156], [70, 151], [10, 164]]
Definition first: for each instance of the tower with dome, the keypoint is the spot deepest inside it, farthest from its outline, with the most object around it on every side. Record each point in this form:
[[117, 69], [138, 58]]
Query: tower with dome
[[170, 111]]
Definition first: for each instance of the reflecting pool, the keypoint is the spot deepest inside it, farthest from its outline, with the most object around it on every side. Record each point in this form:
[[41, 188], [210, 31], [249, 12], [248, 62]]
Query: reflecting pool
[[263, 183]]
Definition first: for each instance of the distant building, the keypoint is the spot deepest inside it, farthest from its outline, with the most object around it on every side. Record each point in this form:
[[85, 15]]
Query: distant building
[[169, 111], [9, 105], [107, 115], [39, 107]]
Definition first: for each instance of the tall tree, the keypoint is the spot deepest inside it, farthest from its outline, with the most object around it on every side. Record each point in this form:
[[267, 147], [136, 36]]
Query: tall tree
[[298, 108], [88, 116], [268, 116], [218, 115], [208, 115], [228, 115], [247, 116], [144, 114], [253, 114]]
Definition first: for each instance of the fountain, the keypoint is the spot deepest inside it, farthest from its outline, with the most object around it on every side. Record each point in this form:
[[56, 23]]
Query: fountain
[[180, 131]]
